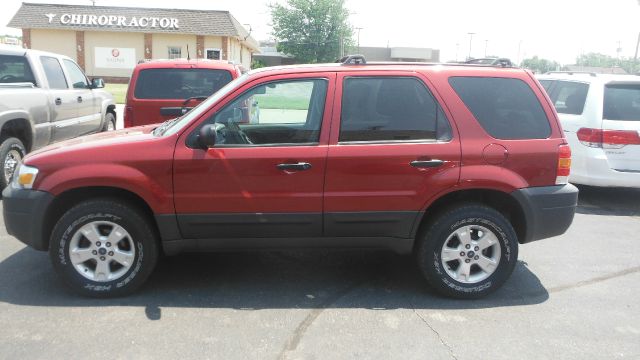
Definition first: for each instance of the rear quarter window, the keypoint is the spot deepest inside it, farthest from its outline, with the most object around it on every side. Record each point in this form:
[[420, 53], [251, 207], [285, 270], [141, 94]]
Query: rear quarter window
[[506, 108]]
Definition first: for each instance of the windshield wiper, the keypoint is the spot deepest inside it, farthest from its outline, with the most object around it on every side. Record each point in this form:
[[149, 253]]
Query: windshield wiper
[[164, 126]]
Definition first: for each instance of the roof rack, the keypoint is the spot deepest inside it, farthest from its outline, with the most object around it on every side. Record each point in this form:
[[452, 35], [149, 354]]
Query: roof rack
[[572, 72], [353, 60]]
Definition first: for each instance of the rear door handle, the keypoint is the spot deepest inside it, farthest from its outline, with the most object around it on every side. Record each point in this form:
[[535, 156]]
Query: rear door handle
[[294, 167], [58, 101], [426, 163], [79, 99]]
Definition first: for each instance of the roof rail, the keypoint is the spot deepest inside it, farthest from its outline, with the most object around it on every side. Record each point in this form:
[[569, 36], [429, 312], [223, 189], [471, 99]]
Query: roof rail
[[571, 72], [353, 60]]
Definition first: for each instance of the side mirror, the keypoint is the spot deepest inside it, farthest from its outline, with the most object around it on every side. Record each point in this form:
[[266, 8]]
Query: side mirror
[[97, 83], [207, 136]]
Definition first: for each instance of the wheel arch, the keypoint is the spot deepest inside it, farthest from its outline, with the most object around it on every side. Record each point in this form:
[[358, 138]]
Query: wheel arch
[[501, 201], [19, 128], [68, 199]]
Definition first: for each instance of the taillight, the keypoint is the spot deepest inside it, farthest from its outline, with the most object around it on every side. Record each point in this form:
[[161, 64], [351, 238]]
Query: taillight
[[608, 139], [128, 116], [564, 164]]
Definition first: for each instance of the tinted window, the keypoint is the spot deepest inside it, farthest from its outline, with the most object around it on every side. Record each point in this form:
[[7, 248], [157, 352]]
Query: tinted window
[[506, 108], [283, 112], [546, 84], [78, 80], [15, 69], [382, 109], [53, 72], [622, 102], [179, 83], [569, 97]]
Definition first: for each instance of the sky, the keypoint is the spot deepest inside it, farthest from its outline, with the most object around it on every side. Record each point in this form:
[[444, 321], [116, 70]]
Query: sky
[[559, 30]]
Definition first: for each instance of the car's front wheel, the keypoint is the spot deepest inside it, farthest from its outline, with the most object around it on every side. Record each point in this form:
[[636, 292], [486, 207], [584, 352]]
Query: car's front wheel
[[468, 252], [103, 248]]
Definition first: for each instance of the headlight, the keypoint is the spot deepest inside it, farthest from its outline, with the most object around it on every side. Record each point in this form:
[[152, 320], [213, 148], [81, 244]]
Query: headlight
[[24, 177]]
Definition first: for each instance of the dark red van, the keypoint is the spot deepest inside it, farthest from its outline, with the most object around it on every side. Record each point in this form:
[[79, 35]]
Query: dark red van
[[164, 89]]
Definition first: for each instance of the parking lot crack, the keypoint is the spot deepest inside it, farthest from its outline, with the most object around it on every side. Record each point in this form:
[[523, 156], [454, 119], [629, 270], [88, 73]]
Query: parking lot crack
[[442, 341]]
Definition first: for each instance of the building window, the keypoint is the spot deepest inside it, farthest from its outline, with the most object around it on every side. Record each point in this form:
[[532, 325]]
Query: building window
[[214, 54], [175, 52]]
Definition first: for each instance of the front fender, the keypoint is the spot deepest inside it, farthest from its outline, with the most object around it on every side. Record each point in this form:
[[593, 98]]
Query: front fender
[[156, 194]]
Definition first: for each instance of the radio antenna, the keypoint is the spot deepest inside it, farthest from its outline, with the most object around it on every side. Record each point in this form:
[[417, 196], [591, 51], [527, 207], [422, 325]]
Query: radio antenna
[[188, 56]]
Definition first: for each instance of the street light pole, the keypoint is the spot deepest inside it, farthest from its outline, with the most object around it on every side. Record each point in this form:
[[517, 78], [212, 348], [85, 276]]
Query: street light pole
[[470, 40], [359, 28], [486, 44]]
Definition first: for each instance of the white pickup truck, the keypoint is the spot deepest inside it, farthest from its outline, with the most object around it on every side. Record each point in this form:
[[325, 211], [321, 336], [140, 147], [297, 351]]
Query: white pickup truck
[[44, 98]]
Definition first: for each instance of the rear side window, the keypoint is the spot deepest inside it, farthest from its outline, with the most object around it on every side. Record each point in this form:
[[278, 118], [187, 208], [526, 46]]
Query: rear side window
[[179, 83], [53, 72], [506, 108], [390, 109], [568, 97], [15, 69], [622, 102]]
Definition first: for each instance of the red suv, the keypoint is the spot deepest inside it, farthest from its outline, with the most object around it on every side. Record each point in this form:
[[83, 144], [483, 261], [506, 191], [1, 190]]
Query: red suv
[[454, 163], [164, 89]]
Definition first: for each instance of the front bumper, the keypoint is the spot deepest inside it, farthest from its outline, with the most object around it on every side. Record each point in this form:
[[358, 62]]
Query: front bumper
[[24, 215], [548, 210]]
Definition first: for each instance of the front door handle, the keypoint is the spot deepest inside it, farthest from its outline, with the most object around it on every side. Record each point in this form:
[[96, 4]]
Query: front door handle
[[58, 101], [79, 99], [426, 163], [294, 167]]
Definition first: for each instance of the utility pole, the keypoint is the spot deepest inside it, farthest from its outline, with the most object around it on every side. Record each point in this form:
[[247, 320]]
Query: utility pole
[[470, 40], [359, 28], [486, 44], [635, 57], [457, 48]]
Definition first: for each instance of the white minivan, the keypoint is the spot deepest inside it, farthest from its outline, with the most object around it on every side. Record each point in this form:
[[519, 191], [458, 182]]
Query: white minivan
[[600, 115]]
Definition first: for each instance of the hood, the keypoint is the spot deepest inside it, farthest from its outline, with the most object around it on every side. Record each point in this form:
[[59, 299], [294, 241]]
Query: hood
[[110, 140]]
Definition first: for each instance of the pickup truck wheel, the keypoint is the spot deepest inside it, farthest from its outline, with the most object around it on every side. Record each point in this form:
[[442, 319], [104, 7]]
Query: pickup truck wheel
[[103, 248], [109, 122], [468, 252], [11, 152]]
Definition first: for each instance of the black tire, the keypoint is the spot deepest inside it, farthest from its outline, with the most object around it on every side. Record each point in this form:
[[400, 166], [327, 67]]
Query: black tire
[[109, 118], [9, 147], [430, 246], [142, 237]]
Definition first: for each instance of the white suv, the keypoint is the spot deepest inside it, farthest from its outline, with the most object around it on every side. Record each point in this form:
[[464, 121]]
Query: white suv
[[600, 115]]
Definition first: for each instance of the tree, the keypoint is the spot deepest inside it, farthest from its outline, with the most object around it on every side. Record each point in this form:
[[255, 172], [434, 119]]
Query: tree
[[606, 61], [539, 65], [311, 30]]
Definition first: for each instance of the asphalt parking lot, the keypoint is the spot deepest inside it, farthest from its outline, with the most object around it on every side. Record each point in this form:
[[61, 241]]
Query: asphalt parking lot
[[570, 297]]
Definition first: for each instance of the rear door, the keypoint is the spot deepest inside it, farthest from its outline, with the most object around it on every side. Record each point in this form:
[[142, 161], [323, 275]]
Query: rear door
[[621, 125], [89, 118], [63, 101], [392, 149], [159, 94]]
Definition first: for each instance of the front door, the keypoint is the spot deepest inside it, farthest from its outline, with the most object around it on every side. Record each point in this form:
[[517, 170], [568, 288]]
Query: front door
[[392, 149], [264, 178]]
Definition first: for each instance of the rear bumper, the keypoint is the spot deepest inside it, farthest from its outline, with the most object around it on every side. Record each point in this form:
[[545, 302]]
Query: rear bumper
[[593, 168], [548, 210], [24, 212]]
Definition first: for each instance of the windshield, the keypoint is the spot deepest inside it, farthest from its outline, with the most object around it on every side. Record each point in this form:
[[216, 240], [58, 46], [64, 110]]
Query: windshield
[[203, 106]]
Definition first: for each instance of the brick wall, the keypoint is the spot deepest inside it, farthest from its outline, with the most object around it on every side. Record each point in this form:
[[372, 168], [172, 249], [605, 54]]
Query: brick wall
[[225, 48], [148, 46], [80, 48], [26, 38], [200, 47]]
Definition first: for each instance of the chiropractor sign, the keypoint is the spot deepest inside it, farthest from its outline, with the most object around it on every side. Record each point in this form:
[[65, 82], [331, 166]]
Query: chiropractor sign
[[143, 22]]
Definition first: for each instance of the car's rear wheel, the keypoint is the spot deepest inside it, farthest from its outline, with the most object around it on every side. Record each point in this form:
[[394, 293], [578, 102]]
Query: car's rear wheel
[[103, 248], [11, 153], [468, 252]]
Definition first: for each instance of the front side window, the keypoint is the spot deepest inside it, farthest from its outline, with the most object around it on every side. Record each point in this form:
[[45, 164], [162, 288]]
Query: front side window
[[506, 108], [390, 109], [53, 72], [78, 80], [175, 52], [282, 112], [15, 69]]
